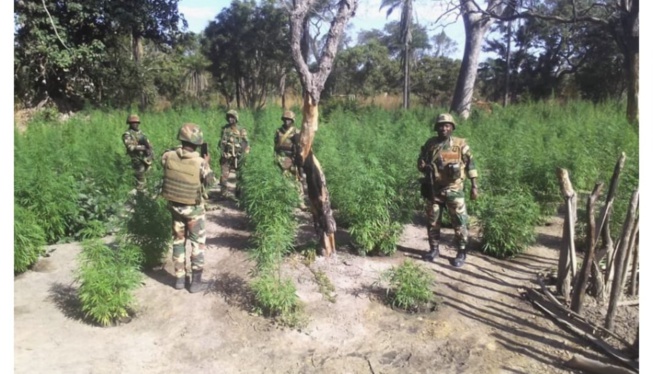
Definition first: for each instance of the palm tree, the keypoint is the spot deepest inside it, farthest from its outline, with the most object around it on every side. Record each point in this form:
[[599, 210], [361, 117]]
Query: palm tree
[[405, 26]]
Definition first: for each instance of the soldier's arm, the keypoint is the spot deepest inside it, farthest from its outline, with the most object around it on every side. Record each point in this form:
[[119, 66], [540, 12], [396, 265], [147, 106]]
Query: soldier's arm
[[276, 141], [422, 165], [472, 173], [164, 158], [245, 141], [206, 174], [131, 144]]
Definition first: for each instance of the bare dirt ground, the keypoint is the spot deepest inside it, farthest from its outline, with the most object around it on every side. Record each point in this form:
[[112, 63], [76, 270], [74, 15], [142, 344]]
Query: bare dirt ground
[[482, 324]]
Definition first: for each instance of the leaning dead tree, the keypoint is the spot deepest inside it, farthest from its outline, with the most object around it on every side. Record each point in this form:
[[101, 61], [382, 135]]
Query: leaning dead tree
[[313, 84]]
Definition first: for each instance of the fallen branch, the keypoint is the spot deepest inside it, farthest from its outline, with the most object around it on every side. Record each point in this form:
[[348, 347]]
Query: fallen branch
[[628, 303], [588, 326], [592, 366], [538, 300]]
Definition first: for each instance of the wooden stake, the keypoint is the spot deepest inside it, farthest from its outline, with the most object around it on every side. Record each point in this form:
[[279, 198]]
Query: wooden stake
[[567, 259], [615, 292], [583, 277]]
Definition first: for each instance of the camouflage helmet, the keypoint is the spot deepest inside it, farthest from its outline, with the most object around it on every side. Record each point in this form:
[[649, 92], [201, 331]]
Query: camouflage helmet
[[289, 115], [191, 133], [232, 113], [445, 118], [133, 118]]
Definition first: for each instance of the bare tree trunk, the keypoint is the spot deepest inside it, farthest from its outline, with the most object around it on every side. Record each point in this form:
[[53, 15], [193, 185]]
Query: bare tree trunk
[[566, 262], [581, 282], [313, 84], [476, 25], [632, 109], [407, 14], [615, 292], [282, 89], [137, 55], [506, 87]]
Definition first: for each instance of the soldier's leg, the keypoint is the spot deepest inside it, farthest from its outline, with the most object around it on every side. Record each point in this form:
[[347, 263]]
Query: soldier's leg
[[459, 220], [197, 236], [139, 174], [178, 248], [434, 216], [224, 174]]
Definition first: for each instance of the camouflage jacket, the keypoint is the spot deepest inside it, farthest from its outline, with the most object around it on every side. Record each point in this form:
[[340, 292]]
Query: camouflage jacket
[[137, 145], [283, 141], [448, 160], [233, 141]]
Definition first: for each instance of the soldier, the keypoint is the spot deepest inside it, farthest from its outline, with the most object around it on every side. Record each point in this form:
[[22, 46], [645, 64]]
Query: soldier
[[139, 150], [445, 160], [185, 173], [233, 143], [285, 149]]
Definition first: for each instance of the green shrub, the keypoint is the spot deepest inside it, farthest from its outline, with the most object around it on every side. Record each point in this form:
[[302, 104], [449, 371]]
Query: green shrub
[[277, 298], [29, 239], [148, 227], [408, 287], [108, 278], [507, 223]]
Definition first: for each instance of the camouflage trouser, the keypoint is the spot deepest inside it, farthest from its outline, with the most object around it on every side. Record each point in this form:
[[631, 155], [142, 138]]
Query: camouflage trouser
[[140, 168], [290, 172], [187, 222], [226, 165], [455, 202]]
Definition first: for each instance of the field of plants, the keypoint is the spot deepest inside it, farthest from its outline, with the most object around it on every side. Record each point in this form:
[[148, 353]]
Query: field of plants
[[72, 181]]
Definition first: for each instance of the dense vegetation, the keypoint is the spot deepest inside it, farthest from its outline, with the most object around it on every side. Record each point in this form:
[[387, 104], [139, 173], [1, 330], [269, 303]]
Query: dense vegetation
[[72, 182], [111, 54]]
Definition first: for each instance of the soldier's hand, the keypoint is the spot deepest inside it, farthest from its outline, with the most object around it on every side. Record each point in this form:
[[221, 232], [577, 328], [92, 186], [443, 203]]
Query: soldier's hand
[[207, 157], [474, 193]]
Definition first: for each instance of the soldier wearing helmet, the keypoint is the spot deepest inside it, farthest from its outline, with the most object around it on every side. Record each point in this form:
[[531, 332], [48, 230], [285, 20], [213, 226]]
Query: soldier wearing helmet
[[233, 145], [445, 160], [285, 148], [185, 174], [139, 149]]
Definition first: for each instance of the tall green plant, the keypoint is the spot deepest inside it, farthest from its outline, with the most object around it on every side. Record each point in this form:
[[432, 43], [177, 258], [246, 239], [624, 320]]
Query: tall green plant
[[148, 228], [107, 279], [29, 239]]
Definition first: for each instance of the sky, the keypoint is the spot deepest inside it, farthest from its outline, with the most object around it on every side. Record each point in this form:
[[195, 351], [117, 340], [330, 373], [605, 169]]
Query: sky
[[199, 13]]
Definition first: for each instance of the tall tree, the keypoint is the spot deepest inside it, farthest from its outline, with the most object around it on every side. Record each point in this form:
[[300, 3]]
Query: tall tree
[[405, 25], [313, 84], [247, 44], [477, 22], [620, 18]]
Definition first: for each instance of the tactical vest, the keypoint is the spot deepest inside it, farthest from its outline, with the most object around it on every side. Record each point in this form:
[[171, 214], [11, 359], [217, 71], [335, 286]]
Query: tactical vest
[[285, 140], [449, 162], [137, 137], [231, 141], [181, 180]]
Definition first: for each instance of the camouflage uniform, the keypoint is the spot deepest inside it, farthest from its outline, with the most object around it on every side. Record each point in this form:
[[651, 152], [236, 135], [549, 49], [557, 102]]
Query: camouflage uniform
[[233, 144], [285, 152], [186, 173], [447, 161], [139, 149]]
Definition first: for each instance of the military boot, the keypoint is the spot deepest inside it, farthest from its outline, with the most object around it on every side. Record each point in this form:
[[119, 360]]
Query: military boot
[[434, 246], [460, 258], [180, 283], [197, 285]]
